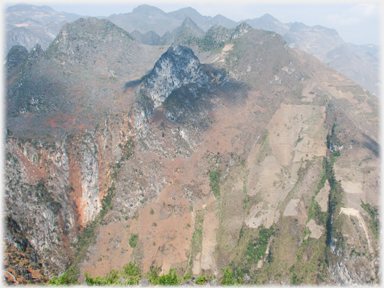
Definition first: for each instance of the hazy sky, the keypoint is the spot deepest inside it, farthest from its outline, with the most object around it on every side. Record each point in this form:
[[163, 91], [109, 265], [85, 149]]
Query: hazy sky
[[356, 22]]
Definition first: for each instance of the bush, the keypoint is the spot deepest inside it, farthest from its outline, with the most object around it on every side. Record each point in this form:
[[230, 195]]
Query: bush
[[153, 274], [201, 280], [133, 240], [256, 249], [132, 273], [69, 278], [228, 278], [187, 276], [169, 279]]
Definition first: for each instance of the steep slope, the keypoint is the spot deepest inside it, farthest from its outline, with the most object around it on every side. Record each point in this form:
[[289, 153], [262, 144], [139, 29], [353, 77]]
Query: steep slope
[[52, 94], [76, 84], [197, 165]]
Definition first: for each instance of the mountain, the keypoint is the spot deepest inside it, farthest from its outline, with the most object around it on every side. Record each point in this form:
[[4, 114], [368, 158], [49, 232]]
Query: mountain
[[27, 25], [248, 162], [269, 23], [354, 61], [187, 33], [146, 18], [326, 45]]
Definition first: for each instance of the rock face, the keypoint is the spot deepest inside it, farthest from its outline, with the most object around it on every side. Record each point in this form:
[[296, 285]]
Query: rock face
[[193, 165], [39, 205], [177, 67], [90, 200]]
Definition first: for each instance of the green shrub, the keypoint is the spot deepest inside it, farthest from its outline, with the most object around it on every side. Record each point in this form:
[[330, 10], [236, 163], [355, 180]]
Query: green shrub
[[201, 280], [187, 276], [69, 278], [133, 240], [256, 249], [228, 278], [153, 274], [169, 279], [132, 273]]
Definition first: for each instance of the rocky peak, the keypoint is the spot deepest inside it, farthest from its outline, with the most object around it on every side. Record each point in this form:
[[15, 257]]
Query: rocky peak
[[88, 27], [188, 23], [177, 67], [187, 31], [219, 33], [241, 29], [89, 34], [36, 53], [15, 59]]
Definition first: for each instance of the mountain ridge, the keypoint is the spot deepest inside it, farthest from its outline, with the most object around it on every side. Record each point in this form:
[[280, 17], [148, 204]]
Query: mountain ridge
[[297, 35]]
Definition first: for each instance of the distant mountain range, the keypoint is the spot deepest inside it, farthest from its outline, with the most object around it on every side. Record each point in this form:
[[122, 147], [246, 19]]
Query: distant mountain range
[[28, 25]]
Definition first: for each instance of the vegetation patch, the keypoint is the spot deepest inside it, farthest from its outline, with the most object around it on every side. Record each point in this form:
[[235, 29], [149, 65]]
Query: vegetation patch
[[374, 218], [310, 266], [256, 248], [133, 240], [130, 275], [68, 278], [167, 279], [201, 280], [214, 183], [229, 278], [197, 237], [316, 213]]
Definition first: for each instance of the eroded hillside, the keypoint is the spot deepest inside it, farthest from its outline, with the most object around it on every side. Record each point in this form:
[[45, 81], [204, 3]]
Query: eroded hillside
[[256, 157]]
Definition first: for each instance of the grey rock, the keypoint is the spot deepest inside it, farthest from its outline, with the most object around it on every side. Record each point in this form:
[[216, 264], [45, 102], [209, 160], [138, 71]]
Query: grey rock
[[144, 282], [177, 67]]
